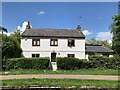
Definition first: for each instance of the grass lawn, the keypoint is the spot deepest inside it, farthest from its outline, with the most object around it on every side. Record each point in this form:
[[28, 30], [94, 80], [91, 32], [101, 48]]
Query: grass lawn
[[81, 71], [59, 83]]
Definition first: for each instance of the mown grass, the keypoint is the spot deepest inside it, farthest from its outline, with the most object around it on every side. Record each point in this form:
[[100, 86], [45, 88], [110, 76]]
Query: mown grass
[[80, 71], [59, 83]]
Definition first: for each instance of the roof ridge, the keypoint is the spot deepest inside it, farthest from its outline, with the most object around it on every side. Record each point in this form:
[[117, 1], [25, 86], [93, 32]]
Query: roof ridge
[[55, 29], [45, 32], [107, 48]]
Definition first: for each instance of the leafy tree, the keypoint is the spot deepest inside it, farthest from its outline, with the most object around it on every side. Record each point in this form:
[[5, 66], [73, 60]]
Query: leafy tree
[[93, 41], [16, 33], [11, 47], [3, 29], [115, 29]]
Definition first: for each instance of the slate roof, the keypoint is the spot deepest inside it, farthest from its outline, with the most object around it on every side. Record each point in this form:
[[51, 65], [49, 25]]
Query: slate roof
[[42, 32], [97, 49]]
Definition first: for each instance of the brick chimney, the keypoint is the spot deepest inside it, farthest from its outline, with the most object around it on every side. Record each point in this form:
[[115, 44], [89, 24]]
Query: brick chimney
[[78, 28], [28, 26]]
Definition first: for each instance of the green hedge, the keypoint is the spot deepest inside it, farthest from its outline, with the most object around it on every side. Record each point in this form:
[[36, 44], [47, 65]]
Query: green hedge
[[84, 64], [62, 63], [103, 62], [27, 63], [94, 61], [67, 63]]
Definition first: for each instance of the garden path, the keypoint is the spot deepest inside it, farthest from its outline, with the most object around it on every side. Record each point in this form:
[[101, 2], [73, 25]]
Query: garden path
[[59, 76]]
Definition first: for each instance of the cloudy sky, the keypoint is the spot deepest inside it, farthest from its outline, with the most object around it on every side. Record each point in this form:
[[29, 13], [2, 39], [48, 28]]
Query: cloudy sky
[[93, 17]]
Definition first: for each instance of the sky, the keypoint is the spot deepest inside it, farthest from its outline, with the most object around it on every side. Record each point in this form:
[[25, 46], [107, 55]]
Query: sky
[[93, 17]]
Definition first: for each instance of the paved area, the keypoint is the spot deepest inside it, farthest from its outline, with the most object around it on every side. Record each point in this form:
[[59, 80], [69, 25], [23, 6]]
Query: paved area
[[59, 76]]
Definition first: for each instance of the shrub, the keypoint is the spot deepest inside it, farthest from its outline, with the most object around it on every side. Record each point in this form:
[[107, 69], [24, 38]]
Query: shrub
[[27, 63], [103, 62], [84, 64], [67, 63]]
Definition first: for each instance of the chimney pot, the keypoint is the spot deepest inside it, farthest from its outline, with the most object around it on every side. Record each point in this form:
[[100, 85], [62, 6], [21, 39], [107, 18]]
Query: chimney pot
[[28, 26], [78, 28]]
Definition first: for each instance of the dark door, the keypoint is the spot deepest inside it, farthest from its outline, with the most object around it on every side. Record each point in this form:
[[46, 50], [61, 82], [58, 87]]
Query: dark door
[[53, 57]]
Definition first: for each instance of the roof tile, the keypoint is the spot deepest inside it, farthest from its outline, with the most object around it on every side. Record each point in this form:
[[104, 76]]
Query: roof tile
[[42, 32]]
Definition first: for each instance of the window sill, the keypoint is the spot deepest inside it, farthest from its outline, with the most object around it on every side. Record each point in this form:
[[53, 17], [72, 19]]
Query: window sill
[[35, 45], [53, 45]]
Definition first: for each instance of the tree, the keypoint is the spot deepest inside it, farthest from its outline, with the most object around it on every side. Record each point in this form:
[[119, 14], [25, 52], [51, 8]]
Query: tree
[[3, 29], [115, 29], [16, 33], [1, 36], [93, 41], [11, 47]]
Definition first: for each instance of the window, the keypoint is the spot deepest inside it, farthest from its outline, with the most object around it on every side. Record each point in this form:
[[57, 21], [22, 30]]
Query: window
[[105, 54], [35, 55], [71, 55], [35, 42], [53, 42], [71, 43]]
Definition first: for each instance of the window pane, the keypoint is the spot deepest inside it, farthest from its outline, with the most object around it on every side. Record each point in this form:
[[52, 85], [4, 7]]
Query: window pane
[[53, 42], [33, 55], [37, 55], [36, 42], [71, 55], [68, 42], [71, 42]]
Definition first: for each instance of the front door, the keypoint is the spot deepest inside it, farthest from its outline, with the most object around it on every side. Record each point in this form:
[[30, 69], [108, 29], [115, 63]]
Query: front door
[[53, 57]]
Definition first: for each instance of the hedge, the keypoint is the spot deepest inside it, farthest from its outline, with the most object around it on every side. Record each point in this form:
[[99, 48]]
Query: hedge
[[27, 63], [94, 61], [67, 63], [103, 62]]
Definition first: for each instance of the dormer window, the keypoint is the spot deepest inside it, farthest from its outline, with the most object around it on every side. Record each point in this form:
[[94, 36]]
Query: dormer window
[[35, 42], [71, 43], [53, 42]]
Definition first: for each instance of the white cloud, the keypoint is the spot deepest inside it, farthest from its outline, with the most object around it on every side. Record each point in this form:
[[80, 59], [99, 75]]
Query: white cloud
[[86, 32], [104, 36], [40, 13], [7, 33], [22, 29], [18, 28], [110, 41]]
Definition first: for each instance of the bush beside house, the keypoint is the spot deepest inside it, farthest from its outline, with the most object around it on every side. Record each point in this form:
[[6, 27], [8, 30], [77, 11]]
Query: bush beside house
[[27, 63], [103, 62], [94, 61], [65, 63]]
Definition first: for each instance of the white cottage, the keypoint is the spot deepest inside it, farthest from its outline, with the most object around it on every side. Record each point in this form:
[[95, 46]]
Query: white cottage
[[97, 50], [43, 42]]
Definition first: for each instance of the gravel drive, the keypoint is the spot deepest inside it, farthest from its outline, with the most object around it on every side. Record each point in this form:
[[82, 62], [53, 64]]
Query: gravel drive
[[59, 76]]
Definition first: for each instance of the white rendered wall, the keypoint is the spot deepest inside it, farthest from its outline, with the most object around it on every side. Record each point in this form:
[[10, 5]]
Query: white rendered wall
[[110, 55], [45, 49]]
